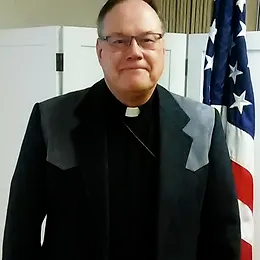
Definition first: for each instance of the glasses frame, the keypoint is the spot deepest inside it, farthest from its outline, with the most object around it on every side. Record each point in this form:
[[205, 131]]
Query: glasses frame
[[106, 39]]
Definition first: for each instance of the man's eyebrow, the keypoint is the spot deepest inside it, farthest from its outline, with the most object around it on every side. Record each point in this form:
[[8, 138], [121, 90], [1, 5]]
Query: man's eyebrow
[[143, 33]]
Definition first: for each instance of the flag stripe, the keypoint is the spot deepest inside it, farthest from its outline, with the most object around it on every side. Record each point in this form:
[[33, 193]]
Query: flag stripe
[[244, 184], [246, 251], [239, 138], [247, 222]]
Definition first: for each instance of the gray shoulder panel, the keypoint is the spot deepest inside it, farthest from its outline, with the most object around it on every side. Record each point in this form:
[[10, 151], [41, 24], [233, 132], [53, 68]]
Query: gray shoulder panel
[[58, 121], [200, 129]]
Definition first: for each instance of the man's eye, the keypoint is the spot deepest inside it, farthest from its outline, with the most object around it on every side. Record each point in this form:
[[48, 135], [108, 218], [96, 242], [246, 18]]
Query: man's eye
[[147, 40], [118, 41]]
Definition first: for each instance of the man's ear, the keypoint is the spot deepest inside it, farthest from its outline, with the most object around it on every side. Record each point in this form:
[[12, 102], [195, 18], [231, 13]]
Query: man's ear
[[99, 50]]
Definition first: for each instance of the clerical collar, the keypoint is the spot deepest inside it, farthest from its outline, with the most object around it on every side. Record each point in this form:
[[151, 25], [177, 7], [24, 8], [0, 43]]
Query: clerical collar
[[117, 109], [132, 112]]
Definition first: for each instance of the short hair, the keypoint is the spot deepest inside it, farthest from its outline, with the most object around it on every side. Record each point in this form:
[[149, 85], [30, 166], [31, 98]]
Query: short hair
[[110, 4]]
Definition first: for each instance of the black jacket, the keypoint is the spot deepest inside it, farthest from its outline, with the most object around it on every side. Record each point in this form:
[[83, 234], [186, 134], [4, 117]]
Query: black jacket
[[62, 172]]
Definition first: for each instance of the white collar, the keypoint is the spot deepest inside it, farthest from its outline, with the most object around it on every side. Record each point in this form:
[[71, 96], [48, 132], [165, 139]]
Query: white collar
[[132, 112]]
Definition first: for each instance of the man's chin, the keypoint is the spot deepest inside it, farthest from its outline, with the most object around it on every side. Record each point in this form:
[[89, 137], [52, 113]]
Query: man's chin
[[136, 82], [137, 86], [135, 73]]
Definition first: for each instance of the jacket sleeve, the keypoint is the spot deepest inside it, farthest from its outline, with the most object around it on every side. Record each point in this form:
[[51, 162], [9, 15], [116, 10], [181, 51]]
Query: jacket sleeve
[[220, 236], [26, 206]]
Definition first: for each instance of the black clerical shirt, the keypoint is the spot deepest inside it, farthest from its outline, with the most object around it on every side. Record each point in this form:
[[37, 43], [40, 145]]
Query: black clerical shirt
[[133, 179]]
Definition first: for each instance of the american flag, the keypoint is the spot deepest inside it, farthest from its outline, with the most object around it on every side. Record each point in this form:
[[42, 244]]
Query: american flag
[[228, 87]]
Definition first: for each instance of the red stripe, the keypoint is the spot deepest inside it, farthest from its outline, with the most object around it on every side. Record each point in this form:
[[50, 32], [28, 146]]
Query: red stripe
[[246, 251], [244, 184]]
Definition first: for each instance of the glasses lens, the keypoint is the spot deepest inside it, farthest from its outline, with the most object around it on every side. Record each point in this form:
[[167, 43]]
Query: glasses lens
[[119, 42], [148, 41]]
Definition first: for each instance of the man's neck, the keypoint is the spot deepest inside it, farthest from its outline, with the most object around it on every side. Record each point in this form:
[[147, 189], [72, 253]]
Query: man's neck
[[133, 98]]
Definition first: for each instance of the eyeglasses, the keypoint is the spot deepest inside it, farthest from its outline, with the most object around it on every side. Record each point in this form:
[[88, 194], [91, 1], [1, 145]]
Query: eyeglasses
[[147, 41]]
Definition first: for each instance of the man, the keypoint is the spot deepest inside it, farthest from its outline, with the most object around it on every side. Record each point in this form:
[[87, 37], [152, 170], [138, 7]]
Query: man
[[124, 169]]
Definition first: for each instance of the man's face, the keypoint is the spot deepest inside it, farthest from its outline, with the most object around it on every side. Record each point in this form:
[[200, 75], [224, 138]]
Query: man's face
[[133, 68]]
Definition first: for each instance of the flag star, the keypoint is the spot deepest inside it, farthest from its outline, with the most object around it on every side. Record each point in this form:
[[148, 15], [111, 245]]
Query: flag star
[[240, 102], [243, 30], [241, 4], [213, 31], [209, 63], [234, 73]]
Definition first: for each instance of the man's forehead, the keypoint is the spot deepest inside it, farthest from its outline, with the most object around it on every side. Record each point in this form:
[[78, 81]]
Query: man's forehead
[[131, 26]]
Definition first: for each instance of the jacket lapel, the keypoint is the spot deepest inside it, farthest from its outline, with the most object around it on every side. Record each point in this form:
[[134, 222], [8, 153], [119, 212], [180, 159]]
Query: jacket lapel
[[91, 147], [174, 150]]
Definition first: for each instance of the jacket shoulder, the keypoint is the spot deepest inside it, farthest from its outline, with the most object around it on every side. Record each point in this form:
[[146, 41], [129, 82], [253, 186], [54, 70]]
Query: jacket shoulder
[[63, 102], [195, 110], [200, 128], [58, 120]]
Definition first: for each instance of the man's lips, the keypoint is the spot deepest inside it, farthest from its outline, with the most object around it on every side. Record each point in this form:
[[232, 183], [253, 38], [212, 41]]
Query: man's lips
[[134, 68]]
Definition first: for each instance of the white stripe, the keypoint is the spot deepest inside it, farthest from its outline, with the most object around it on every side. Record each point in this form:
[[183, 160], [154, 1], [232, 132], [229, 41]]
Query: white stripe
[[223, 112], [219, 108], [247, 222], [241, 147], [240, 144]]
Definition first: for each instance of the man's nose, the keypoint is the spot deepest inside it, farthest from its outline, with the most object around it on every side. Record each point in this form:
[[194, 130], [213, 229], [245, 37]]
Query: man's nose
[[134, 51]]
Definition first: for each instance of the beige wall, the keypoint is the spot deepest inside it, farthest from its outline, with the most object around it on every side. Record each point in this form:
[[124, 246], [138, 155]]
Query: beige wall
[[252, 13], [25, 13]]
